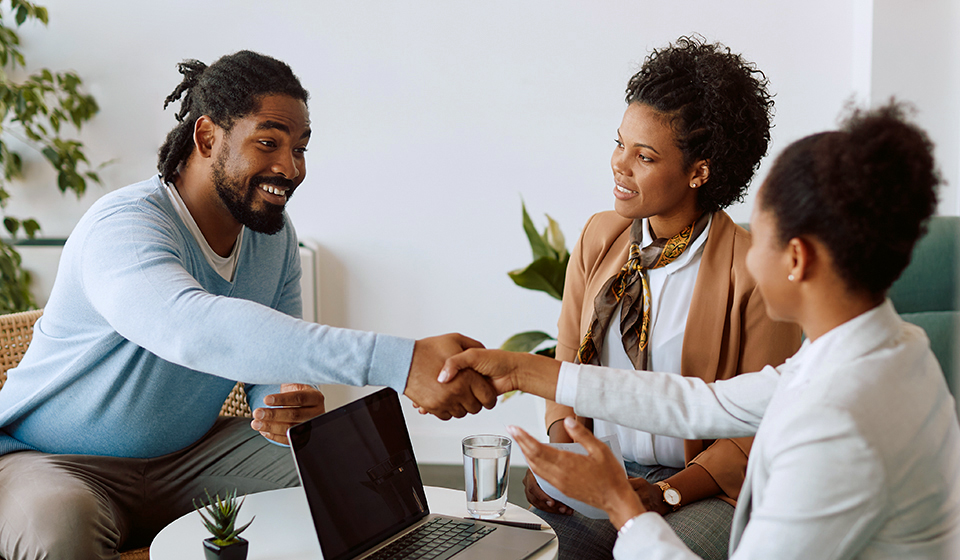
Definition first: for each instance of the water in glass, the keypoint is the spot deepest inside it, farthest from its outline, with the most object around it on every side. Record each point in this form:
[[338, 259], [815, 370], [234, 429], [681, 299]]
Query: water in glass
[[486, 469]]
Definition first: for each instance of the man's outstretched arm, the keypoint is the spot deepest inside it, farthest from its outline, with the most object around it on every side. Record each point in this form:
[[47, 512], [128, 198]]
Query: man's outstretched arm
[[298, 403]]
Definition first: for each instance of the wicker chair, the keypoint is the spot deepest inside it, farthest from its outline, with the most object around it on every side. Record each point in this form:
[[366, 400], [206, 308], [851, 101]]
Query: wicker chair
[[16, 331]]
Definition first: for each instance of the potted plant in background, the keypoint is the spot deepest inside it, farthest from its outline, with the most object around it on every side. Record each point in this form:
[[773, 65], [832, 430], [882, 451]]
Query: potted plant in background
[[221, 520], [545, 274], [35, 110]]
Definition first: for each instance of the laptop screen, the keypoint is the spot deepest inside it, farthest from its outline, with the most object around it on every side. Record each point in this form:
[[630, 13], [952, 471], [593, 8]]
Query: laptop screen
[[358, 471]]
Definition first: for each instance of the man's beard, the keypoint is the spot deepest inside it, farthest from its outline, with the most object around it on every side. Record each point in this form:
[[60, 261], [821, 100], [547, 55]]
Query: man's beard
[[239, 198]]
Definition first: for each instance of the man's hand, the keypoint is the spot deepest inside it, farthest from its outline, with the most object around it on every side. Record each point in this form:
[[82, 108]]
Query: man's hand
[[299, 403], [469, 393], [596, 479], [539, 499], [509, 371]]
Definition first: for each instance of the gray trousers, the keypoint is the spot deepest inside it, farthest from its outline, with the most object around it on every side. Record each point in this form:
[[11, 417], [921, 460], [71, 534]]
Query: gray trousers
[[703, 526], [91, 507]]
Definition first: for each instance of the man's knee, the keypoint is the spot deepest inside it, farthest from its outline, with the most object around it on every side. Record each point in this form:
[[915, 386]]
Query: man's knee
[[47, 511]]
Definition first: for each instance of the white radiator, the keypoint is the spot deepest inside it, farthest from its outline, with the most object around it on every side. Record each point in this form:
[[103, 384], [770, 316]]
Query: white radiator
[[310, 281]]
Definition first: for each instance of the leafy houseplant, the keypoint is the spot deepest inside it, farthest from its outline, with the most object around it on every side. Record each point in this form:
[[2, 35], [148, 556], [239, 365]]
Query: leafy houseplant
[[545, 274], [221, 519], [34, 111]]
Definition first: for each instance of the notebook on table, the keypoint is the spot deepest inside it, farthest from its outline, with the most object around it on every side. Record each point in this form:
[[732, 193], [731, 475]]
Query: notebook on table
[[361, 480]]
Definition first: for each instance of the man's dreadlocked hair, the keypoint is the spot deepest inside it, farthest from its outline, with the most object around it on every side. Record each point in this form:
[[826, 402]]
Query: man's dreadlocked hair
[[227, 90]]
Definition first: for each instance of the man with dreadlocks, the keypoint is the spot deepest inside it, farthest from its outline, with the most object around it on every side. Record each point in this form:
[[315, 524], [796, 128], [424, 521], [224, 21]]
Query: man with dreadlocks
[[169, 291]]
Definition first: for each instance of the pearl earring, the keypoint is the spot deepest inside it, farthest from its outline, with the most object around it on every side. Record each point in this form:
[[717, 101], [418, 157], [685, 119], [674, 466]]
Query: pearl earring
[[791, 278], [693, 185]]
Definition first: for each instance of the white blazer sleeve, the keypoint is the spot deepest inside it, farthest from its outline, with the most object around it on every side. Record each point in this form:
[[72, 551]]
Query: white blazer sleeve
[[672, 405]]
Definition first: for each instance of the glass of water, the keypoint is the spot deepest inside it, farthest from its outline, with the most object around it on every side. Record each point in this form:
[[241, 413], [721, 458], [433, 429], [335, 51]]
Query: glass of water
[[486, 469]]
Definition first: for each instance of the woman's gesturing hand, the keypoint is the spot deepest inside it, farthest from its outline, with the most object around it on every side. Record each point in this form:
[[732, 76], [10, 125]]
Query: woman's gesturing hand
[[596, 478]]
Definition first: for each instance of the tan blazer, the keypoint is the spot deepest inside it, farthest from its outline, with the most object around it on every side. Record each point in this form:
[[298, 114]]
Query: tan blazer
[[727, 333]]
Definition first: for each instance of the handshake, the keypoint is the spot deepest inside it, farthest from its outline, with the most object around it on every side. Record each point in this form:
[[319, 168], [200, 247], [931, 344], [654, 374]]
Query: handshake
[[435, 384], [452, 375]]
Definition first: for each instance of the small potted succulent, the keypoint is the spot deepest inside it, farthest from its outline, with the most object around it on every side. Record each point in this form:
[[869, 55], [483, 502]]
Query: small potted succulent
[[221, 519]]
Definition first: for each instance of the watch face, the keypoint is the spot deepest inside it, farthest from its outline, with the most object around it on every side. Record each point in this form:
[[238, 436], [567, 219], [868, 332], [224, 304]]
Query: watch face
[[671, 496]]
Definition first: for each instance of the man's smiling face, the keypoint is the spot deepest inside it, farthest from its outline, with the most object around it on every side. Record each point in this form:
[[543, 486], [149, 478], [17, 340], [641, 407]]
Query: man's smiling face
[[261, 162]]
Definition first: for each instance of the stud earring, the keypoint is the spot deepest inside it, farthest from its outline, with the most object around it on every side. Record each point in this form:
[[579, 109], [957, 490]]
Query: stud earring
[[791, 278], [694, 185]]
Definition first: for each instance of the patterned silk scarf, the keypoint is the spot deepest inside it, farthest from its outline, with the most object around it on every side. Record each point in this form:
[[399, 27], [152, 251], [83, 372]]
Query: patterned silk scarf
[[632, 286]]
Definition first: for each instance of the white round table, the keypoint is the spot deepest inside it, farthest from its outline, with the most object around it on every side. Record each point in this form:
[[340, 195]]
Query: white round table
[[284, 527]]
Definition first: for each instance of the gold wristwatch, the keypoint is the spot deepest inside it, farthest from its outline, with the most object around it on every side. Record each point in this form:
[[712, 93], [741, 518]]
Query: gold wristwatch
[[670, 495]]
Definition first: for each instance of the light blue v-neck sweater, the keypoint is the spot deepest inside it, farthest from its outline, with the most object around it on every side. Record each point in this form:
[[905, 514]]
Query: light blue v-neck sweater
[[141, 340]]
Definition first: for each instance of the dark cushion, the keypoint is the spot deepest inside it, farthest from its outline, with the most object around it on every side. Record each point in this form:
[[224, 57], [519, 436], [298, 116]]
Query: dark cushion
[[930, 281]]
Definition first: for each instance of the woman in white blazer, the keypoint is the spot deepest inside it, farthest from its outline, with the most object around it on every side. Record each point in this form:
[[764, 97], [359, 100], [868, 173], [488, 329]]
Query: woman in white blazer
[[857, 449]]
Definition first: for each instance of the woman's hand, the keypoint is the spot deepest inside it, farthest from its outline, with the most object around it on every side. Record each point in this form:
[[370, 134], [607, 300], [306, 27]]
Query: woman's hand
[[651, 496], [596, 478], [539, 499], [508, 371]]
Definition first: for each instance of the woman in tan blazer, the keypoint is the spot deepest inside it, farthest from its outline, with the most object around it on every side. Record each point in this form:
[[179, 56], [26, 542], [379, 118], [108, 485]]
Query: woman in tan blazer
[[695, 128]]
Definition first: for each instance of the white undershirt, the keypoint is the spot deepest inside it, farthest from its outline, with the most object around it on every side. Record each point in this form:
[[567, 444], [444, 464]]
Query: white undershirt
[[671, 290], [226, 267]]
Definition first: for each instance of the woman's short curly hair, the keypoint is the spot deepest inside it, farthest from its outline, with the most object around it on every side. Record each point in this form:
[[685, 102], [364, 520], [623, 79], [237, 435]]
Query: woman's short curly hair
[[719, 109], [865, 192]]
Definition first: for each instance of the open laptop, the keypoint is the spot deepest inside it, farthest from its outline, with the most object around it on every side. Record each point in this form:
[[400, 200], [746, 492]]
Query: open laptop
[[363, 487]]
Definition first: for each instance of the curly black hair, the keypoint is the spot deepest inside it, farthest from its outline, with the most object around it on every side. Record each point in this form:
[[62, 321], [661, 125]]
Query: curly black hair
[[865, 192], [227, 90], [719, 109]]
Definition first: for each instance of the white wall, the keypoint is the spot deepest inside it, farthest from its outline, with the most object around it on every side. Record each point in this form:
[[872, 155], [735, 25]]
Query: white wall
[[431, 120], [916, 56]]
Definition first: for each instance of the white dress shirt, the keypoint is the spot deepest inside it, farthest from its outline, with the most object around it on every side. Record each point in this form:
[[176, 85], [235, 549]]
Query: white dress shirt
[[856, 455], [671, 290]]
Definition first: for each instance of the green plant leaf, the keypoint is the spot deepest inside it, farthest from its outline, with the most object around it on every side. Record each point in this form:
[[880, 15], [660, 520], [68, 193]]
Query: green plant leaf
[[63, 181], [544, 275], [537, 245], [11, 225], [15, 282], [550, 352], [14, 165], [525, 341], [30, 227], [52, 156], [554, 237]]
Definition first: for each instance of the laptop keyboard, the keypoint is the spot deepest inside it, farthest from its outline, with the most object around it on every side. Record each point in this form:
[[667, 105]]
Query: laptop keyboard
[[437, 539]]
